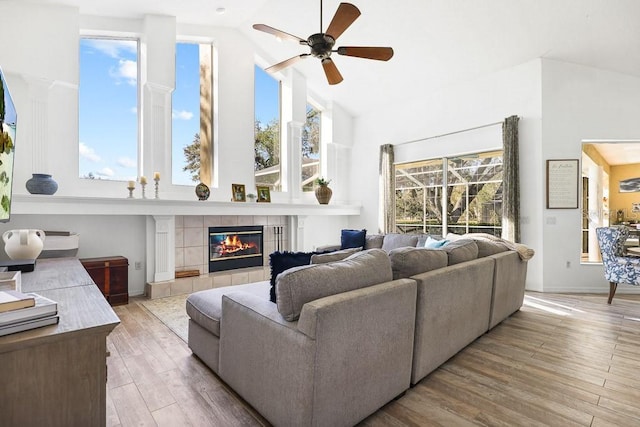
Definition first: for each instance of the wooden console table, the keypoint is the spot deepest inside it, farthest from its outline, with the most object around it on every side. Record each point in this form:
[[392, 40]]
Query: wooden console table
[[57, 375]]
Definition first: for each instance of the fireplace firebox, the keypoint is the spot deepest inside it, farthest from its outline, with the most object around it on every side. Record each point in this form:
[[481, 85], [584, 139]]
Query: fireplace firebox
[[235, 247]]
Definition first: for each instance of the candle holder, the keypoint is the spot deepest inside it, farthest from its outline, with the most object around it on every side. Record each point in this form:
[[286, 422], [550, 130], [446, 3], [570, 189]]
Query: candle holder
[[131, 192], [143, 193], [157, 180]]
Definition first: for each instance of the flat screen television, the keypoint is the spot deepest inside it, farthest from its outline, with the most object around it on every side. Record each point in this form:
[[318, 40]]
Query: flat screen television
[[8, 119]]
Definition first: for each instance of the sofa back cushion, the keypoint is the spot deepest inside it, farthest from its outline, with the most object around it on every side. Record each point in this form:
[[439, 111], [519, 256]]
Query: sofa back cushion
[[297, 286], [281, 261], [398, 240], [407, 262], [374, 241], [461, 250], [488, 247], [323, 258]]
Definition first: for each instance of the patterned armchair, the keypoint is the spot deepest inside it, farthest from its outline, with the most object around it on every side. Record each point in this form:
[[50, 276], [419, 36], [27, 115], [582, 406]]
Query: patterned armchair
[[618, 268]]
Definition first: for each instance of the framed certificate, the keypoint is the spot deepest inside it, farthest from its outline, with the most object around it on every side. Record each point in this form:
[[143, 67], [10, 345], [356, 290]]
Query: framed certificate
[[562, 183]]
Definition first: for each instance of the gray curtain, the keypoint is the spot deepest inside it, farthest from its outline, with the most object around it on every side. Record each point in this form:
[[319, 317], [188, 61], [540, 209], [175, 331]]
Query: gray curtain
[[510, 181], [387, 187]]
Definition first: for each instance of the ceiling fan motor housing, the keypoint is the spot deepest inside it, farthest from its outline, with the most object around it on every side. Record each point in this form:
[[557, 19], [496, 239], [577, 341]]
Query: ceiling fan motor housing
[[321, 45]]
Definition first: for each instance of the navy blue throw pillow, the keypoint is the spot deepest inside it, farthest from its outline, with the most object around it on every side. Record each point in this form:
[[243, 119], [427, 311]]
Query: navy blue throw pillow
[[281, 261], [353, 239]]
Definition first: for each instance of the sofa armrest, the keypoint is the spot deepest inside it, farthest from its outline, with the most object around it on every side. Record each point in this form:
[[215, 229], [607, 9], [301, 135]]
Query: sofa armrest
[[364, 346], [265, 359]]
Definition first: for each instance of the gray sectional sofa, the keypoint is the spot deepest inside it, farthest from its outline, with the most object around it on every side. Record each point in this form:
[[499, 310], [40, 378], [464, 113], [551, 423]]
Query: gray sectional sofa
[[347, 336]]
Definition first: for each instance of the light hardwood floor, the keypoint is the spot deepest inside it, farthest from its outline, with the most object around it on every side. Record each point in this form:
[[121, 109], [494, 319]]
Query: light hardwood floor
[[562, 360]]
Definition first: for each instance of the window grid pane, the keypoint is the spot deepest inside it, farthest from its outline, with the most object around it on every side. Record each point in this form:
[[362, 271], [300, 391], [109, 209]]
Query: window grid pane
[[474, 195]]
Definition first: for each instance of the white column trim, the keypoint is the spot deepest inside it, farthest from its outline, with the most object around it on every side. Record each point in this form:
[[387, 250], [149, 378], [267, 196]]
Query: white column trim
[[163, 248]]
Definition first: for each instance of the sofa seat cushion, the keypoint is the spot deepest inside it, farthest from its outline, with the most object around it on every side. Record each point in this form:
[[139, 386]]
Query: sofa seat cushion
[[407, 262], [205, 307], [461, 250], [297, 286], [398, 240]]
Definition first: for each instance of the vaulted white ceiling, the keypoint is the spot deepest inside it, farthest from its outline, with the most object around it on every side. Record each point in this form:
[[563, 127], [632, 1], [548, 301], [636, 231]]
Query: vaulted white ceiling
[[436, 42]]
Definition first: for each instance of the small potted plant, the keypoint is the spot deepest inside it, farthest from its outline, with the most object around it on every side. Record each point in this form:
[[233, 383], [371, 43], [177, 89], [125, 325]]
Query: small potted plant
[[323, 192], [251, 197]]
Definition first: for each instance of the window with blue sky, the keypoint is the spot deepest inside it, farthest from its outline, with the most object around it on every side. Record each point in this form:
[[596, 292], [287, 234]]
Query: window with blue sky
[[311, 148], [108, 109], [191, 113], [267, 131]]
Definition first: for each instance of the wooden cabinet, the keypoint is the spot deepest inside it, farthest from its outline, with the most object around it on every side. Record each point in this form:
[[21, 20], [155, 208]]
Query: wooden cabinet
[[111, 274], [57, 375]]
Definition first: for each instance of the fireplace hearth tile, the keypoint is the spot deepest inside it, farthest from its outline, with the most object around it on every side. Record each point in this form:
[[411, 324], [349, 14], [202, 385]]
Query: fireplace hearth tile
[[179, 237], [182, 286], [179, 257], [256, 276], [239, 278], [202, 283], [193, 255], [193, 221], [194, 237], [221, 280]]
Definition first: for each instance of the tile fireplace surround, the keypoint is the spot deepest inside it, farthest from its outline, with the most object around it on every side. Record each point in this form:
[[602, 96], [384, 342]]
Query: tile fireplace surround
[[191, 253]]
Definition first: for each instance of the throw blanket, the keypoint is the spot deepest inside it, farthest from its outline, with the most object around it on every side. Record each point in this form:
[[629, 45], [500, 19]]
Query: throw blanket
[[524, 251]]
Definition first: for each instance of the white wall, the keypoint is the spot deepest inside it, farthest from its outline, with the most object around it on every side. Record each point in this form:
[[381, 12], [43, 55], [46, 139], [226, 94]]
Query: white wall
[[99, 236], [580, 103], [559, 105], [42, 71], [475, 103]]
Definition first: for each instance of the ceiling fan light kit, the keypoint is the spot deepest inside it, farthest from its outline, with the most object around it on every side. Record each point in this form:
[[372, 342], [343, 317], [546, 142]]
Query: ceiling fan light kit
[[321, 44]]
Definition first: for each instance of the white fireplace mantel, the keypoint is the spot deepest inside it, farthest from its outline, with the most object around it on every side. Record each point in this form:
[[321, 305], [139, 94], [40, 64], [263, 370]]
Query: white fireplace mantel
[[71, 205], [160, 218]]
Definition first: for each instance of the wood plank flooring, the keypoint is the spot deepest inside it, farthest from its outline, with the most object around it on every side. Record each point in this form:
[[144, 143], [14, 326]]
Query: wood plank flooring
[[562, 360]]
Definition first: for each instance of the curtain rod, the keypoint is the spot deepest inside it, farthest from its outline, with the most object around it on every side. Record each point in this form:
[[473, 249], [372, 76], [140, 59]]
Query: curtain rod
[[447, 134]]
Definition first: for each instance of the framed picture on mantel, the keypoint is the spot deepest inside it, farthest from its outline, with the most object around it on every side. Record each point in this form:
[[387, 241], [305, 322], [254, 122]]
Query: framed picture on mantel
[[562, 183]]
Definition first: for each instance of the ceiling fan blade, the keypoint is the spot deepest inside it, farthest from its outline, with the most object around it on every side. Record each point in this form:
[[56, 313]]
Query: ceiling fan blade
[[284, 64], [278, 33], [378, 53], [331, 71], [344, 17]]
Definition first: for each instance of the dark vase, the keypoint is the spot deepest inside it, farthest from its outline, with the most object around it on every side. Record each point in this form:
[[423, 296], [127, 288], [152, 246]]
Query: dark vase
[[323, 194], [41, 183]]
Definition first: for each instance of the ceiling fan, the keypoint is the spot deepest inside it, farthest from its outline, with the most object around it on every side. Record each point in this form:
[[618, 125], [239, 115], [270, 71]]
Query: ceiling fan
[[321, 44]]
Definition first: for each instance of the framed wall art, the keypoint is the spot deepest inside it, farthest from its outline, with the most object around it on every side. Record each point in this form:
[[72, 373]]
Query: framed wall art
[[264, 194], [237, 193], [562, 183]]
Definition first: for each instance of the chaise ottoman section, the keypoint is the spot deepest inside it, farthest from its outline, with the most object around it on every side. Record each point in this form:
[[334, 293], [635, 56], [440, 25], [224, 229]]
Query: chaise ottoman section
[[205, 309]]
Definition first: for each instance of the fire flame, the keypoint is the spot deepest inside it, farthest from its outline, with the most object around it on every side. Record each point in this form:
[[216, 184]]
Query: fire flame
[[233, 244]]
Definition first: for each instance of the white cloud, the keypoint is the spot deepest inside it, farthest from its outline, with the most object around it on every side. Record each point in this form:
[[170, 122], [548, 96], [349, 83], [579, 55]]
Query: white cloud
[[108, 172], [134, 110], [181, 115], [88, 153], [127, 70], [126, 162], [112, 48]]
